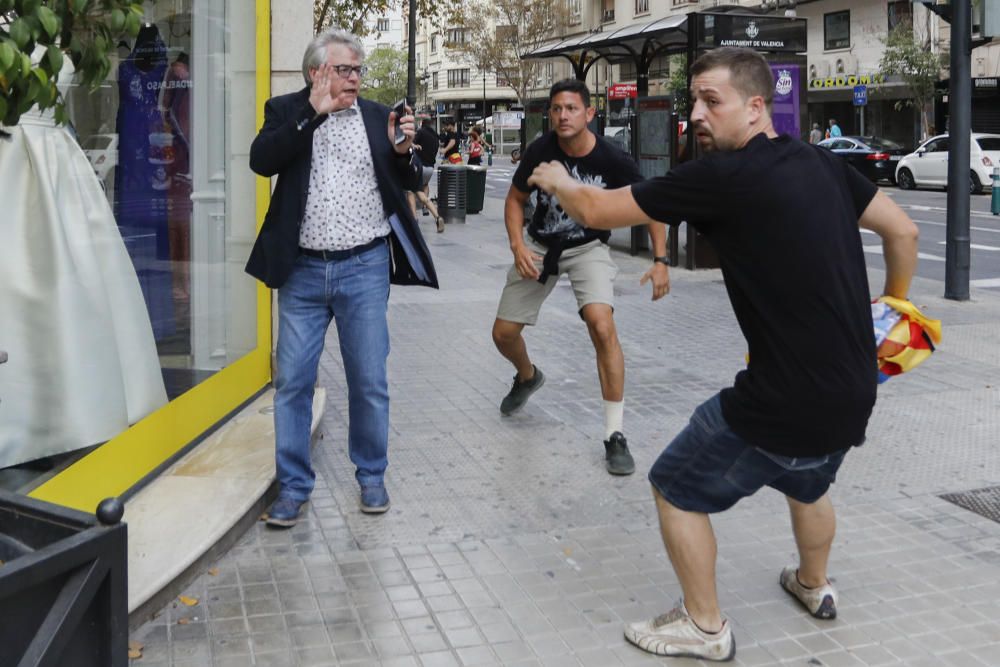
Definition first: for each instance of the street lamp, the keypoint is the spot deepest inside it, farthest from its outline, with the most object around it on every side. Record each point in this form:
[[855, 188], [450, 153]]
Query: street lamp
[[411, 62]]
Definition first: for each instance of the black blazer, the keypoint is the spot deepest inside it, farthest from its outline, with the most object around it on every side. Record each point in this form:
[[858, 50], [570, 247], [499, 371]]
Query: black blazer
[[283, 147]]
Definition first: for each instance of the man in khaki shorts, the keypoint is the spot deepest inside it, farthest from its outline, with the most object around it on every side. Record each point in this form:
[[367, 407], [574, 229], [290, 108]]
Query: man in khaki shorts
[[556, 244]]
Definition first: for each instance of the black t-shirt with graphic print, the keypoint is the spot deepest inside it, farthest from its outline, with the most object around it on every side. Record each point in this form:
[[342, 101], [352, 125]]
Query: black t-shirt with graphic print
[[783, 217], [605, 166]]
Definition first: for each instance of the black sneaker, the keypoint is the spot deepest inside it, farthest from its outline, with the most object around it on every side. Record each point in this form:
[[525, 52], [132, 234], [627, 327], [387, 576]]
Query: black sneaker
[[520, 391], [616, 453]]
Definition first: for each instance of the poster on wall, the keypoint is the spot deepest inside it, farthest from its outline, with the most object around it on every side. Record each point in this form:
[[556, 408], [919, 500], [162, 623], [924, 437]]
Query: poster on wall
[[787, 96]]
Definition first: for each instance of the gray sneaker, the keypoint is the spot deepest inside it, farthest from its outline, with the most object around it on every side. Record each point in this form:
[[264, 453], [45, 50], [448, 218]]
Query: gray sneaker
[[619, 459], [520, 391], [820, 602], [675, 634]]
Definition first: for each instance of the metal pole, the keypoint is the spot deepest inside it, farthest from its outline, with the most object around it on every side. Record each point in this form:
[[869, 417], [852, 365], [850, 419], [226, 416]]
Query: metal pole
[[484, 101], [957, 255], [411, 63]]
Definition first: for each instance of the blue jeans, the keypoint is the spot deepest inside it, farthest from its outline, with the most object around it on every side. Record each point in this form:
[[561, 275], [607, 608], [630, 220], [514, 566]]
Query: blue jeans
[[355, 292], [708, 468]]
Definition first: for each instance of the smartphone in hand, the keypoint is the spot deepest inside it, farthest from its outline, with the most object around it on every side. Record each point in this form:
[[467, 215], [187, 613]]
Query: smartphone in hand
[[400, 110]]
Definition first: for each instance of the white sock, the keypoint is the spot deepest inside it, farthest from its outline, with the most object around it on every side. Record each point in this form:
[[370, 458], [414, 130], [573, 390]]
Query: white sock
[[614, 416]]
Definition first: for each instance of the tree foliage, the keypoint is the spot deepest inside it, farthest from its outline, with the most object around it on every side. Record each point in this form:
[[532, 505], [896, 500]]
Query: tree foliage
[[910, 58], [35, 36], [386, 78], [352, 14], [677, 84], [500, 32]]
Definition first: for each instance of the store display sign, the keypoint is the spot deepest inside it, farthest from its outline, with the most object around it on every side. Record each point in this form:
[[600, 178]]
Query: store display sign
[[787, 98], [762, 33], [621, 91]]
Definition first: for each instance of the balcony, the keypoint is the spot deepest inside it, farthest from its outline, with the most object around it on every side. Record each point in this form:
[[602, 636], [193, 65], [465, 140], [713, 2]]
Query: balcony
[[608, 16]]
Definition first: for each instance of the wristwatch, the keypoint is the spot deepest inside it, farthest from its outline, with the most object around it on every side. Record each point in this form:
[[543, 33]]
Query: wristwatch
[[663, 259]]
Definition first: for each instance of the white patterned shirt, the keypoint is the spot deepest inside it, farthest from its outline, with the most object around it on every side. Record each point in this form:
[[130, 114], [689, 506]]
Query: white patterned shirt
[[343, 207]]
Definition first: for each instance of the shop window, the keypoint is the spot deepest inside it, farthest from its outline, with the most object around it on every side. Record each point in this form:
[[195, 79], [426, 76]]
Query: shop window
[[165, 222], [837, 30]]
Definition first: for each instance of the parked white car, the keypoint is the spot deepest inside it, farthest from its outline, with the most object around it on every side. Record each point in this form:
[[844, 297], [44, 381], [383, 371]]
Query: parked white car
[[928, 165]]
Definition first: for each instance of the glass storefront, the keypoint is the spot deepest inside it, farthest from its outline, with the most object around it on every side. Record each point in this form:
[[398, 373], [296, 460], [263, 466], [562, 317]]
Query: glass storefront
[[152, 196]]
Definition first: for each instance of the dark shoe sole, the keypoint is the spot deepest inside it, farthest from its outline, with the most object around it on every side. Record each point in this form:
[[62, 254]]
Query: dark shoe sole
[[516, 409], [382, 509], [614, 470]]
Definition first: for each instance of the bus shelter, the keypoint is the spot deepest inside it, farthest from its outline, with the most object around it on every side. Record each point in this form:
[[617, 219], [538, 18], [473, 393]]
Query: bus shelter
[[650, 129]]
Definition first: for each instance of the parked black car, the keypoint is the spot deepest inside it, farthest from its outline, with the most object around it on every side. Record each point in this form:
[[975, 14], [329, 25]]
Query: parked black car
[[874, 157]]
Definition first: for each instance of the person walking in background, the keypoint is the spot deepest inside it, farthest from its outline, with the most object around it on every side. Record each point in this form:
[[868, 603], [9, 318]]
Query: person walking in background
[[834, 129], [426, 144], [337, 214], [815, 134], [795, 274], [557, 244], [449, 143], [475, 148]]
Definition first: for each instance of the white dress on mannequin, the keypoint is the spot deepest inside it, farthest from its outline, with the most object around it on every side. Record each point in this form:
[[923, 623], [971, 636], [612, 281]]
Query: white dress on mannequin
[[83, 363]]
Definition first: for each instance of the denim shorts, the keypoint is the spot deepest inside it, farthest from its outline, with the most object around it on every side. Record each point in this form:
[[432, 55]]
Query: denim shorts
[[708, 468]]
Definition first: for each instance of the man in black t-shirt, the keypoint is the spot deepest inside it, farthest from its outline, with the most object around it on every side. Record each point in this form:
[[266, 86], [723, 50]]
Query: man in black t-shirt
[[449, 142], [425, 143], [783, 217], [557, 244]]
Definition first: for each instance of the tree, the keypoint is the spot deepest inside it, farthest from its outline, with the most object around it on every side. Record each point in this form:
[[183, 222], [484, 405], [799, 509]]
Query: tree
[[386, 78], [351, 14], [677, 84], [910, 57], [85, 30], [500, 32]]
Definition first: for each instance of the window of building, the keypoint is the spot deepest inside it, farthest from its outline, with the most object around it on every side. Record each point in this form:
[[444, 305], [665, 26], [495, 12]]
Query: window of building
[[456, 36], [382, 25], [573, 10], [641, 6], [434, 43], [837, 30], [900, 12], [458, 78], [434, 80]]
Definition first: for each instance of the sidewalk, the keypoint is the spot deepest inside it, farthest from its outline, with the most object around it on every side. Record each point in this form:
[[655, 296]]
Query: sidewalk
[[508, 543]]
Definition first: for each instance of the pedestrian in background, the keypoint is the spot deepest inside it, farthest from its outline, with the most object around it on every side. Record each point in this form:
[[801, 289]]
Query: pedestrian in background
[[475, 148], [426, 144], [816, 134], [337, 214], [795, 274], [834, 129], [557, 244]]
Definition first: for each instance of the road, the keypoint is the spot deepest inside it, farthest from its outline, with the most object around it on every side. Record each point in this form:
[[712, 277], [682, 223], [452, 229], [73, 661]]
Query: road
[[926, 207]]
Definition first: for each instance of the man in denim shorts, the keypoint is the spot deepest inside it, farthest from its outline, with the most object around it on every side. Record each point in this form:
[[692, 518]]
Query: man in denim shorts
[[556, 244], [783, 217]]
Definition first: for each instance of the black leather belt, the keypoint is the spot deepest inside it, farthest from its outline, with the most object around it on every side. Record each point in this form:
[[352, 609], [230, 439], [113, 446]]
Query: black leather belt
[[328, 255]]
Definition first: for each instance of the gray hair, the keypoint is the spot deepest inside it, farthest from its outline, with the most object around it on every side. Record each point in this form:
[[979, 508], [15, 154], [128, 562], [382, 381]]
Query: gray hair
[[315, 54]]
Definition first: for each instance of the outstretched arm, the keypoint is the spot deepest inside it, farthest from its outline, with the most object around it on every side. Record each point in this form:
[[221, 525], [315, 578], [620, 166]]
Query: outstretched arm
[[589, 205], [899, 242]]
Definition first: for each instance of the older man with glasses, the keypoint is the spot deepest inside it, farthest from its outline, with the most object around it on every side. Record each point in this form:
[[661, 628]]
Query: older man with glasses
[[337, 233]]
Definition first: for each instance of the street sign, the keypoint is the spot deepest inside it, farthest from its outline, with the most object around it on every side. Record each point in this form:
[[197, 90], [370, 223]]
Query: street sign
[[860, 96]]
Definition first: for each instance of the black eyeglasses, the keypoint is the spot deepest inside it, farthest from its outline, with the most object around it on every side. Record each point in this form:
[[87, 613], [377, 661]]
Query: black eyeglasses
[[344, 71]]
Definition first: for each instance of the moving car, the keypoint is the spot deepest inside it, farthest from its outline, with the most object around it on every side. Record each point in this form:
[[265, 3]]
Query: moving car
[[874, 157], [928, 165]]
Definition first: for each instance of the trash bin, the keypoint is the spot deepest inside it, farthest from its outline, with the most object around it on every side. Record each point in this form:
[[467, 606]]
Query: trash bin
[[63, 584], [451, 192], [475, 190]]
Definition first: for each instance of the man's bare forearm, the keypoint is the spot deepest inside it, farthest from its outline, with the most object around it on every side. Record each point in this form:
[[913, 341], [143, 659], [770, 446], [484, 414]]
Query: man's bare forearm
[[513, 219], [900, 256]]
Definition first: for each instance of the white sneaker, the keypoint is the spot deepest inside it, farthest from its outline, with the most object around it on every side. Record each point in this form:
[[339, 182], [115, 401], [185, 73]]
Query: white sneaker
[[820, 602], [675, 634]]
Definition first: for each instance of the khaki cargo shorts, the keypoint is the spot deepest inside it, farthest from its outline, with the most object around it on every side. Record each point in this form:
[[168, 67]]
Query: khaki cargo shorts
[[591, 274]]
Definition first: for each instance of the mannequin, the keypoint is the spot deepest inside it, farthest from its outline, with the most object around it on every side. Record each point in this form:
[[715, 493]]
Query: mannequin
[[145, 153], [83, 364]]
